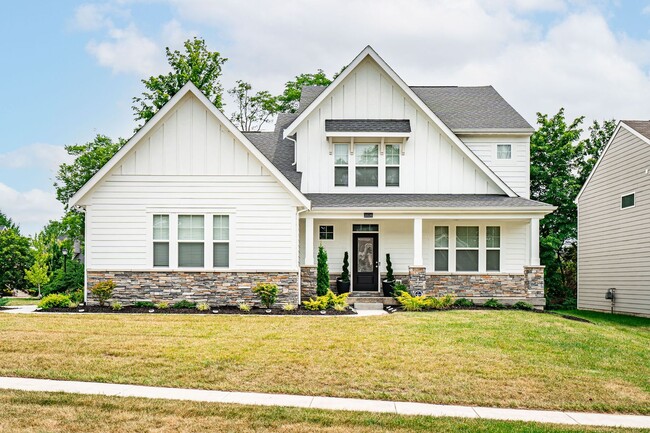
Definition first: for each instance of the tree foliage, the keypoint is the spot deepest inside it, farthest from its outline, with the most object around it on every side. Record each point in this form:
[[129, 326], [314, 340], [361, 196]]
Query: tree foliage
[[322, 272], [196, 64], [253, 111], [289, 99], [37, 275], [7, 222], [560, 163], [15, 258]]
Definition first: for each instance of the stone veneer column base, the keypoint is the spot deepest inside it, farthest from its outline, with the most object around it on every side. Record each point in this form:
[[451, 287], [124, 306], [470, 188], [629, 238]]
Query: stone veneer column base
[[215, 288], [308, 282], [417, 279]]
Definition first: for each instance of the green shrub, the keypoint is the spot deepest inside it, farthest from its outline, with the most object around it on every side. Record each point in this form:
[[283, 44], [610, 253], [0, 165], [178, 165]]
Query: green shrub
[[244, 307], [441, 303], [316, 304], [73, 304], [203, 306], [345, 272], [116, 306], [3, 302], [521, 305], [339, 307], [322, 272], [463, 302], [267, 292], [103, 291], [493, 303], [70, 280], [184, 304], [55, 300], [412, 303], [328, 300], [162, 305], [76, 296], [289, 307], [399, 288], [144, 304], [389, 269]]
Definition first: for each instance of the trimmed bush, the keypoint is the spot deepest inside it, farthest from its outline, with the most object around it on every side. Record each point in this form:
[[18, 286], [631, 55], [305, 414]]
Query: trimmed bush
[[144, 304], [55, 300], [103, 291], [244, 307], [184, 304], [463, 302], [289, 307], [328, 300], [162, 305], [345, 273], [521, 305], [419, 303], [389, 269], [267, 292], [322, 272], [441, 303], [399, 288], [493, 303], [116, 306], [203, 306]]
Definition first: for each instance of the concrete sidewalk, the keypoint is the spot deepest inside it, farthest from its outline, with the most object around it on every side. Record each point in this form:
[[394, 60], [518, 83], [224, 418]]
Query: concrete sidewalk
[[330, 403]]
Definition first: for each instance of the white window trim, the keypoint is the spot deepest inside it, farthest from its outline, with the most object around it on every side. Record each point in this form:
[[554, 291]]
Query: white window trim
[[381, 165], [208, 241], [448, 248], [494, 249], [221, 241], [399, 165], [478, 249], [620, 202], [380, 176], [152, 241], [325, 225], [348, 165]]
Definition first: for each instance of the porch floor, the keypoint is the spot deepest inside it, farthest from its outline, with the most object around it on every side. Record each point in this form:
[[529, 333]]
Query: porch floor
[[371, 298]]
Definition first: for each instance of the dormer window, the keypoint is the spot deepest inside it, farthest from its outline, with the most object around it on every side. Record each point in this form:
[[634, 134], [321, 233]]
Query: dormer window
[[341, 164], [504, 151], [392, 165]]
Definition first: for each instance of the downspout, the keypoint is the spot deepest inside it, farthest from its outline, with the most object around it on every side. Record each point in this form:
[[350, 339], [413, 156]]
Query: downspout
[[295, 150]]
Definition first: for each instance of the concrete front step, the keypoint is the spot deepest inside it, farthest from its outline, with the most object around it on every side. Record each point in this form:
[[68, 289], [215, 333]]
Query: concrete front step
[[368, 306], [359, 298]]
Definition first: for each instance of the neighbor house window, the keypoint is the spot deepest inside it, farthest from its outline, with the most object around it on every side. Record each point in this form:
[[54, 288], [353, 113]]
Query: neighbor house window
[[441, 247], [161, 240], [466, 249], [221, 241], [627, 201], [504, 151], [493, 249], [191, 235], [326, 233], [367, 165], [392, 165], [341, 165]]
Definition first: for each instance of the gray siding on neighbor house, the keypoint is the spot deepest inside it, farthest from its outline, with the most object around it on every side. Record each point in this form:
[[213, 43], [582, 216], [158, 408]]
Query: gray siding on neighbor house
[[614, 243]]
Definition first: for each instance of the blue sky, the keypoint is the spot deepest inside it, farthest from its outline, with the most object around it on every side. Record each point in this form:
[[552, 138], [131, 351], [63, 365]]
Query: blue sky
[[70, 68]]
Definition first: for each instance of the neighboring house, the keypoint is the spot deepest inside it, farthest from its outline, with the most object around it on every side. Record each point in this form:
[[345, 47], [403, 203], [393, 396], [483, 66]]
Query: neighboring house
[[614, 225], [438, 177]]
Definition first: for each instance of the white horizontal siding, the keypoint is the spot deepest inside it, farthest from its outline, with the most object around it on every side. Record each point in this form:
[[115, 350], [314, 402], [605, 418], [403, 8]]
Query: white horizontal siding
[[614, 243], [431, 162], [190, 164]]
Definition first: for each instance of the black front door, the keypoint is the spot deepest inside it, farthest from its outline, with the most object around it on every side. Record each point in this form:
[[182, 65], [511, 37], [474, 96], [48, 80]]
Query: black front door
[[365, 262]]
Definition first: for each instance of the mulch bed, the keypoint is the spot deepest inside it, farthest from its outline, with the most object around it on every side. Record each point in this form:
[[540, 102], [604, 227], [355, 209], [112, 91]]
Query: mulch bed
[[221, 310]]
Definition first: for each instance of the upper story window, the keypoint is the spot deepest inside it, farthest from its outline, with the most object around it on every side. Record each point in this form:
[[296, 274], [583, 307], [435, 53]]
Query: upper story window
[[341, 164], [627, 201], [392, 165], [504, 151], [367, 164]]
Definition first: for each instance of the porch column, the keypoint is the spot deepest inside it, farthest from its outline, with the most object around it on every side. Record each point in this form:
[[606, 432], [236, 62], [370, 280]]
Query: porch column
[[417, 242], [534, 241], [309, 241]]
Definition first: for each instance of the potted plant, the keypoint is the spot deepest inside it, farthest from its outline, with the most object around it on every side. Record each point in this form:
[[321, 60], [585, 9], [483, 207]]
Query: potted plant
[[343, 282], [388, 284]]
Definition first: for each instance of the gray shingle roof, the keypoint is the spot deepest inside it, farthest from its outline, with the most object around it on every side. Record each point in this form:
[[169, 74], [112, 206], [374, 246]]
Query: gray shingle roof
[[460, 108], [367, 125], [640, 126], [278, 151], [422, 201]]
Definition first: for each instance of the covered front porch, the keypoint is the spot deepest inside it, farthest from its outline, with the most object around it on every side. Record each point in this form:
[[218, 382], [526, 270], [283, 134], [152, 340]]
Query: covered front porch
[[471, 254]]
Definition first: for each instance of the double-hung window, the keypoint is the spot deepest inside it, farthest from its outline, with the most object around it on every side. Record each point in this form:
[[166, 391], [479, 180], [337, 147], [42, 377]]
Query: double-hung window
[[493, 249], [367, 164], [441, 247], [392, 165], [161, 240], [467, 249], [221, 241], [341, 164], [191, 238]]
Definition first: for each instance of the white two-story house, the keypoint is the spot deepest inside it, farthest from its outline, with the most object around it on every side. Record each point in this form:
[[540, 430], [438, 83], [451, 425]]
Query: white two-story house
[[437, 177]]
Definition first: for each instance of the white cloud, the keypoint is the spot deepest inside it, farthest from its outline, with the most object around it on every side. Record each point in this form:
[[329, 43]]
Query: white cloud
[[31, 210], [127, 50], [37, 156], [646, 10], [91, 16]]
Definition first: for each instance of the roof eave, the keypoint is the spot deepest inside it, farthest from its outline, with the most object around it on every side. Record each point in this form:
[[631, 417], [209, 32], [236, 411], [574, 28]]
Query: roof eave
[[499, 131]]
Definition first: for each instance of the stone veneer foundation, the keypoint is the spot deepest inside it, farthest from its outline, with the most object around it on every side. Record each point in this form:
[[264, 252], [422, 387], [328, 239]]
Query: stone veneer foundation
[[215, 288]]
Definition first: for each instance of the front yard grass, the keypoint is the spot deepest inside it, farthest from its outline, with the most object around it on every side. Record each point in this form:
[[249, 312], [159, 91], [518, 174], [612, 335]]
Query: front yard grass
[[27, 412], [487, 358], [15, 302]]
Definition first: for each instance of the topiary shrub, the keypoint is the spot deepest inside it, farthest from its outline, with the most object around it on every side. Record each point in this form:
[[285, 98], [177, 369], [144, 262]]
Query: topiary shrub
[[389, 269], [55, 300], [493, 303], [103, 291], [322, 272], [463, 302], [521, 305], [267, 292], [345, 272], [184, 304]]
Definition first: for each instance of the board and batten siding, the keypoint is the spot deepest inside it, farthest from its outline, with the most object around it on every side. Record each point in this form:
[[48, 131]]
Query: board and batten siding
[[191, 164], [396, 238], [430, 163], [614, 243]]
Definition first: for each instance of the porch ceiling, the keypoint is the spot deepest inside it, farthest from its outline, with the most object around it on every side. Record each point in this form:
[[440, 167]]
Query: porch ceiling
[[429, 201]]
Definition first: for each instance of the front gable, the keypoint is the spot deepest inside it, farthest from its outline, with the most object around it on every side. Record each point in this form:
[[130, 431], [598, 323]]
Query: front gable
[[433, 158]]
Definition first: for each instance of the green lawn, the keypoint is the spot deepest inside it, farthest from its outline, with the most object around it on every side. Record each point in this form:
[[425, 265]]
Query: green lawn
[[27, 412], [487, 358], [14, 302]]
